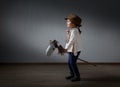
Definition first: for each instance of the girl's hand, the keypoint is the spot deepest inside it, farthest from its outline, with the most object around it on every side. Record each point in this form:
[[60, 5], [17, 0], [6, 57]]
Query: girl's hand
[[65, 50], [61, 50], [67, 35], [67, 31]]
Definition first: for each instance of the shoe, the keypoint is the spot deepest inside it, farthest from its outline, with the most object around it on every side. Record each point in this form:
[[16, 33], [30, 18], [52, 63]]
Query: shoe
[[69, 77], [75, 79]]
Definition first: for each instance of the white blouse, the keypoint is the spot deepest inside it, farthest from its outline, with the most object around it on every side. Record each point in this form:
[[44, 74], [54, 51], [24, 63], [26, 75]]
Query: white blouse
[[74, 42]]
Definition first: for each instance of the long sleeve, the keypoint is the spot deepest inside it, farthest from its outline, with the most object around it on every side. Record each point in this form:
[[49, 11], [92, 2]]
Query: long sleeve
[[71, 40]]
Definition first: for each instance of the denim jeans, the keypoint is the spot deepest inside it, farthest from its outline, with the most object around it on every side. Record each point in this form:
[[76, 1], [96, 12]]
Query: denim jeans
[[72, 63]]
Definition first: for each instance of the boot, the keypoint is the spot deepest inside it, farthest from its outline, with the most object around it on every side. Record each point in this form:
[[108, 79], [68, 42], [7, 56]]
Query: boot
[[76, 78], [69, 77]]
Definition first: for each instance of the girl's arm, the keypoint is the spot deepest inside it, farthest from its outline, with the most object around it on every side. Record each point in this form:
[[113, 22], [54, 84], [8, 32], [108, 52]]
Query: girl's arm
[[71, 40], [67, 35]]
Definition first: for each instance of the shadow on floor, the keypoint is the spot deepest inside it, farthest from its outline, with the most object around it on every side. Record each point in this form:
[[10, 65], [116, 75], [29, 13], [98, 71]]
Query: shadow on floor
[[104, 78]]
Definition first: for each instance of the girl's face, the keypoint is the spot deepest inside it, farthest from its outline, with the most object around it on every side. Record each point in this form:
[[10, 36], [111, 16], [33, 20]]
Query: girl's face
[[70, 24]]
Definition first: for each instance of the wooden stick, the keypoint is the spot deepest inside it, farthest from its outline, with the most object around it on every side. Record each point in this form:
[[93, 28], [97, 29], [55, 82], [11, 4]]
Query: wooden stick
[[87, 62]]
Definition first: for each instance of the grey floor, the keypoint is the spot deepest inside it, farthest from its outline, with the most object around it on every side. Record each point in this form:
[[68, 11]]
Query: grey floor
[[37, 75]]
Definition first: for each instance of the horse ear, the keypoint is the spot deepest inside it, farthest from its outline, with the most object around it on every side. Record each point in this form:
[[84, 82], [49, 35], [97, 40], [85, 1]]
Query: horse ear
[[50, 41], [55, 41]]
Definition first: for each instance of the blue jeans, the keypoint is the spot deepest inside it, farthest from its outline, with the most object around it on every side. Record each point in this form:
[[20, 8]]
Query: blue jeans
[[72, 63]]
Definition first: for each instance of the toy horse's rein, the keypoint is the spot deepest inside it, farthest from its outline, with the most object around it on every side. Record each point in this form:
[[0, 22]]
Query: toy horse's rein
[[61, 50]]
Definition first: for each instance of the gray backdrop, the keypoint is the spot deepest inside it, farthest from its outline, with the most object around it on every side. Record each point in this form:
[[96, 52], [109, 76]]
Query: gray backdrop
[[26, 26]]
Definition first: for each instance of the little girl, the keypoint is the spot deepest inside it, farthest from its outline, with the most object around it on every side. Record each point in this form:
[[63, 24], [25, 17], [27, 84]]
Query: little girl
[[72, 46]]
